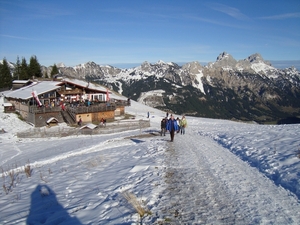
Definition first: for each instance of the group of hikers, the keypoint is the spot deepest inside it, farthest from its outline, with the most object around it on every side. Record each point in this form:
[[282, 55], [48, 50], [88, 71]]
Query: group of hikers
[[173, 126]]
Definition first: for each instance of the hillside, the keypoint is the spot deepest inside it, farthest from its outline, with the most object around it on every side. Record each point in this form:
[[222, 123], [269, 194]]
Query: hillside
[[250, 89]]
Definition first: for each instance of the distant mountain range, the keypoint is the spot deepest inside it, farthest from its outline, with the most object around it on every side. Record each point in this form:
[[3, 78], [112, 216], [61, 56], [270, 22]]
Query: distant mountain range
[[279, 64], [251, 89]]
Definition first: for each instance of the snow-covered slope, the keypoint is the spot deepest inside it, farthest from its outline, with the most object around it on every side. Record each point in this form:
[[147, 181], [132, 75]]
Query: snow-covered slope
[[219, 172]]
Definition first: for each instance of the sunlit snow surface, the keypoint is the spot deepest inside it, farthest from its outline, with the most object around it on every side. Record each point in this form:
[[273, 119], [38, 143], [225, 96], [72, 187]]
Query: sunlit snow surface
[[219, 172]]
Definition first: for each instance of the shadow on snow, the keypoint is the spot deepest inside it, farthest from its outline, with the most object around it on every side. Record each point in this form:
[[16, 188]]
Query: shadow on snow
[[45, 209]]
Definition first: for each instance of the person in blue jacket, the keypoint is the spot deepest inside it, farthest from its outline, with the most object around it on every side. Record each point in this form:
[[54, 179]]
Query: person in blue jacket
[[172, 127]]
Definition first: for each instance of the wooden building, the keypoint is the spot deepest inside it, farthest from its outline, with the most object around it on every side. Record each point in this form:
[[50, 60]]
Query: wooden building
[[67, 100], [16, 84], [8, 107]]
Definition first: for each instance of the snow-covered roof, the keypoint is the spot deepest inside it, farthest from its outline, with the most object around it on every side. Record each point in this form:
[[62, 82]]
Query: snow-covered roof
[[40, 87], [21, 81], [7, 104], [52, 119], [89, 125], [85, 84]]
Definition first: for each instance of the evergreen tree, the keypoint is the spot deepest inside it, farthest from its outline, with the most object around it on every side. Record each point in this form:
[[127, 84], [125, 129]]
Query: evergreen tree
[[34, 67], [54, 70], [24, 70], [17, 72], [1, 66], [5, 75], [45, 74]]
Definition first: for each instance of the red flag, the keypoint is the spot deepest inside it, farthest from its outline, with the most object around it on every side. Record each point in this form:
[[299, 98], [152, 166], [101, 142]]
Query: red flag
[[36, 97], [107, 95]]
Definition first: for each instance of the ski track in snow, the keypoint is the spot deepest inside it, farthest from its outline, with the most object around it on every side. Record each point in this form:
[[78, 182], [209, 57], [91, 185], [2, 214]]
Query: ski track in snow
[[199, 190], [14, 153], [67, 152]]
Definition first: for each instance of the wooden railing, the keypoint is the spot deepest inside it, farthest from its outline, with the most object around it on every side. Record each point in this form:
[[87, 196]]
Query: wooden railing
[[94, 107], [36, 109]]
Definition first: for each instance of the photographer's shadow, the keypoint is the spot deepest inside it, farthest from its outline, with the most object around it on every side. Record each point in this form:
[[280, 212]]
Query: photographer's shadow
[[45, 209]]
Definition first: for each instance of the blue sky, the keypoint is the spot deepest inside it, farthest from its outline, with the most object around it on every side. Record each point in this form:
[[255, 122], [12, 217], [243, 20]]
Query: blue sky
[[112, 32]]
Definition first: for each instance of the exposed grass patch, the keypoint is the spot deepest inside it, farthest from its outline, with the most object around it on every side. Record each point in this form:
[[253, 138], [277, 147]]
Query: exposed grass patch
[[139, 206], [11, 176], [27, 171]]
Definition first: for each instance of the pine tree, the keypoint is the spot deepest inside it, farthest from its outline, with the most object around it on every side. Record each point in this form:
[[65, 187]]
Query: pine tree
[[17, 72], [34, 67], [45, 74], [54, 70], [24, 70], [1, 66], [5, 75]]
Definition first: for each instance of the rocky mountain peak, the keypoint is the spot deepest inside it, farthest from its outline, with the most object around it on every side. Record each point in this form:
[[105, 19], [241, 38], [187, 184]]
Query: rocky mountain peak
[[254, 58], [146, 66], [223, 56], [224, 60], [90, 64], [192, 67], [257, 58], [159, 62], [60, 65]]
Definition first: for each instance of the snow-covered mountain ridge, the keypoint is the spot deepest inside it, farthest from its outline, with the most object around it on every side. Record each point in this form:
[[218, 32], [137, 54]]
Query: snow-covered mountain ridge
[[248, 89], [192, 73], [254, 63]]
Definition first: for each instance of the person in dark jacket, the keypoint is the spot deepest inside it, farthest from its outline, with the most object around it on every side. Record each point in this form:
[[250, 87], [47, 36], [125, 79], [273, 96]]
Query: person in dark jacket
[[172, 127], [163, 126], [79, 122]]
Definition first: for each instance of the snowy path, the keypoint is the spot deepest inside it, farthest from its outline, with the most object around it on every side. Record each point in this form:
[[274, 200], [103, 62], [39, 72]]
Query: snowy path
[[206, 184]]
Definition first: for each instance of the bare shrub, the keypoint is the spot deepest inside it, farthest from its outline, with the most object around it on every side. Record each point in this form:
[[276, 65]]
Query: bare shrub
[[2, 172], [42, 178], [5, 189], [140, 208], [27, 171], [12, 177]]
